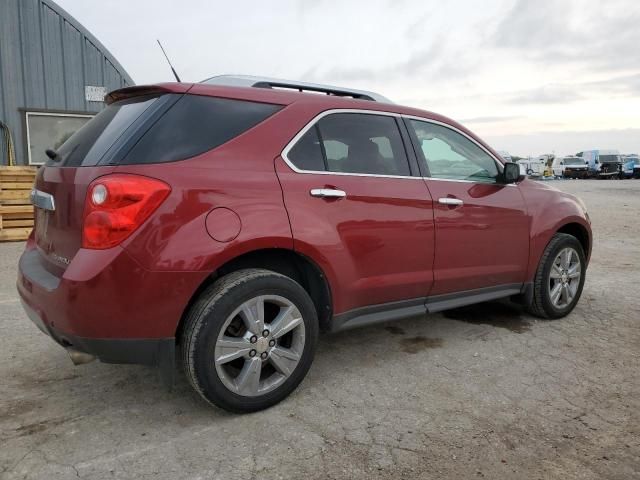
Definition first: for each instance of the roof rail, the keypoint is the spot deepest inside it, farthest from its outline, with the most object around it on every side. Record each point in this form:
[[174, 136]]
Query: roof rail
[[263, 82]]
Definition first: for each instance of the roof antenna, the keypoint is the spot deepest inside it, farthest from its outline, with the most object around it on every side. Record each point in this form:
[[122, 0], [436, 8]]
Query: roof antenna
[[169, 62]]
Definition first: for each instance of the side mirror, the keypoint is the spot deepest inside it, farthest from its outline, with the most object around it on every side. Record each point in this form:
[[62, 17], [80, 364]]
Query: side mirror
[[511, 172]]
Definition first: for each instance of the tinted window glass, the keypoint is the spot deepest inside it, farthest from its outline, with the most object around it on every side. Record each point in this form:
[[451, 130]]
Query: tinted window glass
[[363, 143], [87, 146], [196, 124], [451, 155], [306, 154]]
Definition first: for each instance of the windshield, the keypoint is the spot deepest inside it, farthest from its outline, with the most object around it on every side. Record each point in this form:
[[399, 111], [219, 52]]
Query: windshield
[[609, 158], [573, 161]]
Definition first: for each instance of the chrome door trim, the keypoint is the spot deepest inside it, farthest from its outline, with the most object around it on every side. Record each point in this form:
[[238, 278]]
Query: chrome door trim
[[456, 202], [42, 200], [477, 182]]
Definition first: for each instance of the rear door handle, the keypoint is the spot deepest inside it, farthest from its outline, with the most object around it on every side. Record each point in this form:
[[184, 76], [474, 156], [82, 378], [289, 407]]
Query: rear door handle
[[328, 193], [450, 201]]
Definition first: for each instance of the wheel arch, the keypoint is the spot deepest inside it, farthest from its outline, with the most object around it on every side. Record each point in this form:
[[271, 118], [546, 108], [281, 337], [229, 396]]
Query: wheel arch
[[287, 262], [580, 232]]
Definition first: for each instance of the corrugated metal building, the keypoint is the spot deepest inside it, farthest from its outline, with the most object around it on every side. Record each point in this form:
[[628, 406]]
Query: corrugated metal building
[[53, 76]]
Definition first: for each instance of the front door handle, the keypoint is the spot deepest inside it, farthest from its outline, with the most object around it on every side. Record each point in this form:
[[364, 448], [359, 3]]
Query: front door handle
[[328, 193], [456, 202]]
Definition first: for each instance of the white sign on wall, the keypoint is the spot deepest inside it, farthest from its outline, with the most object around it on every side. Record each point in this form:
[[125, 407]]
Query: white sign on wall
[[94, 94]]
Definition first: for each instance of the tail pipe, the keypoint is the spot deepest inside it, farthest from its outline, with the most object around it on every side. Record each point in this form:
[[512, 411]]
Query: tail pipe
[[80, 358]]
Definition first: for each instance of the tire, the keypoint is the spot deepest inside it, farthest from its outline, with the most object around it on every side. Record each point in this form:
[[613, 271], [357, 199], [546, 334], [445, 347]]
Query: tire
[[204, 340], [543, 305]]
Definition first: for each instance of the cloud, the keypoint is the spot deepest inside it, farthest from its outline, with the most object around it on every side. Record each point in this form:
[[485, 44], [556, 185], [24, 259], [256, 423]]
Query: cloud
[[625, 85], [438, 61], [494, 119], [547, 94], [617, 85], [343, 74], [597, 35]]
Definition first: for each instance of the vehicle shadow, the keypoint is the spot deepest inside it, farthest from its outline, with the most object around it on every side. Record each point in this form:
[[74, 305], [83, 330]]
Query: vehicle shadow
[[136, 396], [372, 346]]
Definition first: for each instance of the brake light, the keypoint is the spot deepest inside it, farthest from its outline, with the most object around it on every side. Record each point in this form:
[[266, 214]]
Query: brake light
[[116, 205]]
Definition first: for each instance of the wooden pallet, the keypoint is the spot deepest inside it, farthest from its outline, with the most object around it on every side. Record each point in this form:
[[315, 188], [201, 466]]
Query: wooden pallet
[[16, 211]]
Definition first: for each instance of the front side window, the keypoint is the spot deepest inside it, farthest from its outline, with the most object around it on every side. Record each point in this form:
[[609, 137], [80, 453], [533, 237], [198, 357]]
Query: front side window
[[450, 155], [352, 143]]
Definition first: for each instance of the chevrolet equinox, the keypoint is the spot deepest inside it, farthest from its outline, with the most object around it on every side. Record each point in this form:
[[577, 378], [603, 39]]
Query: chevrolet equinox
[[227, 223]]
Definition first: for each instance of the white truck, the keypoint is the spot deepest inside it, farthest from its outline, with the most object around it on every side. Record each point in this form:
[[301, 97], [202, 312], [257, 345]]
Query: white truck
[[603, 163], [533, 167], [570, 167]]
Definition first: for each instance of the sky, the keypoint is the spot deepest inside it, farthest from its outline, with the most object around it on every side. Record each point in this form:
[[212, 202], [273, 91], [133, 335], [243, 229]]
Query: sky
[[530, 77]]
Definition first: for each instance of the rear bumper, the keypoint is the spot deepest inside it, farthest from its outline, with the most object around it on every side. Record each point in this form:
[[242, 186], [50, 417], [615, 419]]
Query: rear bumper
[[147, 351], [106, 305]]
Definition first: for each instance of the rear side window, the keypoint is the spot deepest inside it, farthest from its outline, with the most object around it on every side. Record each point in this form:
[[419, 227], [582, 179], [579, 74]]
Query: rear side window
[[352, 143], [307, 152], [196, 124], [87, 146]]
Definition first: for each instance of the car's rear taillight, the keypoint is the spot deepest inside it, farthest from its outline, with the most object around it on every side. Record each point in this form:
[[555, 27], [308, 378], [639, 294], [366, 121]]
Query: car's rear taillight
[[116, 205]]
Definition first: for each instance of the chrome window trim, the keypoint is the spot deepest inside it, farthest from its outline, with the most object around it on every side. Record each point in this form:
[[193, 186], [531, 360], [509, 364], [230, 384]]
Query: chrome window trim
[[321, 115]]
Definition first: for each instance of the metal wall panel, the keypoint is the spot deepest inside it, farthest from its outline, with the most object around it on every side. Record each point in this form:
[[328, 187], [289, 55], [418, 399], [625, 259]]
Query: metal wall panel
[[12, 79], [32, 57], [46, 60]]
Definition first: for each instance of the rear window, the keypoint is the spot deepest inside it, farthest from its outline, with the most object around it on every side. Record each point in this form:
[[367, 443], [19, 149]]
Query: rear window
[[88, 145], [196, 124]]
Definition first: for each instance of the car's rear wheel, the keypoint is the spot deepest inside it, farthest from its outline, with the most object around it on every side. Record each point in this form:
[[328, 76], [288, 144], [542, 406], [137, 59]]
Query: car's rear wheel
[[560, 278], [249, 340]]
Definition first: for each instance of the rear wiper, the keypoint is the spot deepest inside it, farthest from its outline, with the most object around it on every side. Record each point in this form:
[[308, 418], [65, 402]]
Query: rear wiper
[[52, 154]]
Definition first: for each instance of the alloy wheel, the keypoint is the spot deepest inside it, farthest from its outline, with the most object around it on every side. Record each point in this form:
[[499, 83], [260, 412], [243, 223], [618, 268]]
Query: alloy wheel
[[564, 278], [260, 345]]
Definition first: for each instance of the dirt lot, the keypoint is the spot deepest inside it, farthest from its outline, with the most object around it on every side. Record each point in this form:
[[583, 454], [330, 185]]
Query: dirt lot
[[480, 392]]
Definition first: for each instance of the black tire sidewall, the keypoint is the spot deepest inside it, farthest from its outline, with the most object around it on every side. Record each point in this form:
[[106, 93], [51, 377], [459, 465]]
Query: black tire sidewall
[[551, 310], [215, 315]]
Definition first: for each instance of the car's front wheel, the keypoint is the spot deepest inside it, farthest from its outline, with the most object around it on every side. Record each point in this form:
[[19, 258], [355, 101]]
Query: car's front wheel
[[249, 340], [560, 277]]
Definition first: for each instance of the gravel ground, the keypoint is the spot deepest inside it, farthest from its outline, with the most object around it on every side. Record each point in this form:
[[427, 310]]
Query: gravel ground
[[486, 391]]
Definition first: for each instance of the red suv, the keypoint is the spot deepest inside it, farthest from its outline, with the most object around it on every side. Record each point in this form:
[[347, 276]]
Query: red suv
[[230, 221]]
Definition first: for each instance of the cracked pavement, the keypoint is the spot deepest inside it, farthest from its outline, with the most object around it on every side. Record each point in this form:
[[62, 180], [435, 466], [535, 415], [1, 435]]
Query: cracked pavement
[[481, 392]]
